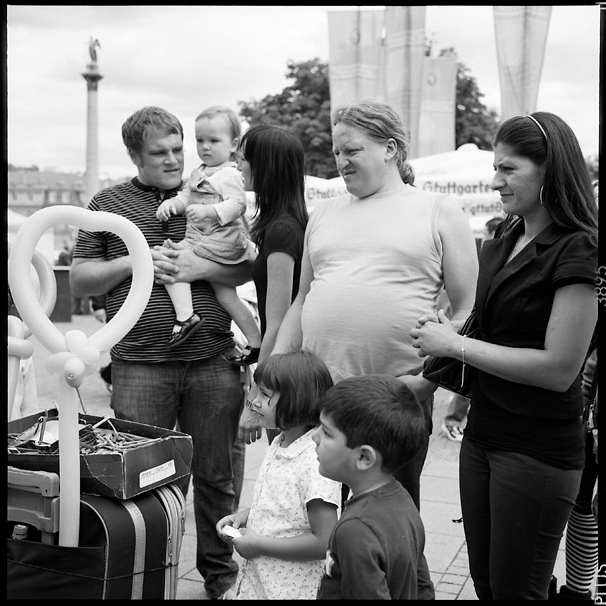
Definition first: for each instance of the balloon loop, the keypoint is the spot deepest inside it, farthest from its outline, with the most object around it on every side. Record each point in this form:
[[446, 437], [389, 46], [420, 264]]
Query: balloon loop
[[80, 360], [19, 347]]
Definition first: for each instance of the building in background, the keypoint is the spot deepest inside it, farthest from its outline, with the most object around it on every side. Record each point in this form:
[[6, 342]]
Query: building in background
[[29, 190]]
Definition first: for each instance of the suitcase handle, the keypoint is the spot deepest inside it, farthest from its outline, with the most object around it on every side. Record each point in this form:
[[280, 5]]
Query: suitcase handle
[[44, 482]]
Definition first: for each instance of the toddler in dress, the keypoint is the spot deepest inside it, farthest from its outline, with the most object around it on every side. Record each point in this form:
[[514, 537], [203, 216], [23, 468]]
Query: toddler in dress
[[214, 201]]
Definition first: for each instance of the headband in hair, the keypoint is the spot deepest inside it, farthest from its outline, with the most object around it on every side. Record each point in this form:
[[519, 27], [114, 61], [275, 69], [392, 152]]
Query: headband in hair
[[537, 123]]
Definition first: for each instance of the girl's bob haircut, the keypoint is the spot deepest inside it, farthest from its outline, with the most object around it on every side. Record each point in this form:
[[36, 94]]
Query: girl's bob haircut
[[301, 378]]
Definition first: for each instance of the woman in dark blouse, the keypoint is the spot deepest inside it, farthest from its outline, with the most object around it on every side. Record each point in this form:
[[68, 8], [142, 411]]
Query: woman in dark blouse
[[273, 166], [522, 454]]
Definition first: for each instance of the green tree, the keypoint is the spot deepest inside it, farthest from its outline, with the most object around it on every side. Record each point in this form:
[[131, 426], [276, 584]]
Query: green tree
[[304, 109], [593, 166], [474, 122]]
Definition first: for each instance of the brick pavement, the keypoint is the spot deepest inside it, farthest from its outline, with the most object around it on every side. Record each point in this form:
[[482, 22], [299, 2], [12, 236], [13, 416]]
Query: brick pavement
[[445, 544]]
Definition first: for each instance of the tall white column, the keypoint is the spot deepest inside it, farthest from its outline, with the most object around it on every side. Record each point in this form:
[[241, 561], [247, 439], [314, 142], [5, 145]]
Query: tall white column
[[92, 78]]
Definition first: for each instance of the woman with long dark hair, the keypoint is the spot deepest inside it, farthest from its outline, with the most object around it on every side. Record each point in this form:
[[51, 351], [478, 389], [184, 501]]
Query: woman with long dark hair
[[522, 454], [273, 166]]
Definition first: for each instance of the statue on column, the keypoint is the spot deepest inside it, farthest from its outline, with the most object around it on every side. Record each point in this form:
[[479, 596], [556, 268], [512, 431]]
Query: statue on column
[[92, 48]]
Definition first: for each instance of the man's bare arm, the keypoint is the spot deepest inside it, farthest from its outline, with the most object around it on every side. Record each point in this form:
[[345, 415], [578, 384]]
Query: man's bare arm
[[176, 263], [88, 277]]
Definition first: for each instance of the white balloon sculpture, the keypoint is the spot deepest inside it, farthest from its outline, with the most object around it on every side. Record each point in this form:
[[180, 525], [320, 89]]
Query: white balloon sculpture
[[74, 355], [18, 348]]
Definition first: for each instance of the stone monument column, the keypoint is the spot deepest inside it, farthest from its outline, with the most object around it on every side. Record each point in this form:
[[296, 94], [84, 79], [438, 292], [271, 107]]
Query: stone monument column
[[92, 77]]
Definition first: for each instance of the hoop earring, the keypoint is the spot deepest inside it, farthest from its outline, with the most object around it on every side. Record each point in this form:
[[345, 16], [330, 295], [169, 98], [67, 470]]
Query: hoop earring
[[541, 197]]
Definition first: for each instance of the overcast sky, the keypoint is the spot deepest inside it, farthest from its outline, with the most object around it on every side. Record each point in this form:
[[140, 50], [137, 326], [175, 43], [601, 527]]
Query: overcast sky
[[185, 58]]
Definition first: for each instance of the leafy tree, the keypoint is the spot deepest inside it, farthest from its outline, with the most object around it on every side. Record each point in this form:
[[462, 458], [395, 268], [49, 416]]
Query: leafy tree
[[474, 123], [592, 166], [304, 109]]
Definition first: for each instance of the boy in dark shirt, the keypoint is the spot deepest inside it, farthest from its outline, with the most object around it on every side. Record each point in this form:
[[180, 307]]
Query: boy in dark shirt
[[370, 426]]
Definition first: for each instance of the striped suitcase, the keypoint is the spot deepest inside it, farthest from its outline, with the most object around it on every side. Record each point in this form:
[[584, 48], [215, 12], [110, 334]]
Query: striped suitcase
[[127, 549]]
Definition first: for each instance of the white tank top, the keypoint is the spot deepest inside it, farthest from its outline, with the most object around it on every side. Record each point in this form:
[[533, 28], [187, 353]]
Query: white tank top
[[377, 264]]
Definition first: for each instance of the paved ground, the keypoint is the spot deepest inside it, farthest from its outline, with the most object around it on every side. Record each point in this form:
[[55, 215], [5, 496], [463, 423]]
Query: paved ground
[[445, 547]]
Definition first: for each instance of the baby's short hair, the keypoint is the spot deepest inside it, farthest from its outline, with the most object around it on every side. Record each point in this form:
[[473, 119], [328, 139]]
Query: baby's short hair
[[379, 411], [230, 116]]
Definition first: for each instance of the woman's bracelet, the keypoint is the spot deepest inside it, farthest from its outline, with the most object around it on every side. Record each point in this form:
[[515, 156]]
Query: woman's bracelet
[[463, 360]]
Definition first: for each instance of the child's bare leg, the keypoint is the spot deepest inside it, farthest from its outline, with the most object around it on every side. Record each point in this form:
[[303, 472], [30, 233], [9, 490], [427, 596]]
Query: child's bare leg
[[242, 316], [180, 295], [187, 320]]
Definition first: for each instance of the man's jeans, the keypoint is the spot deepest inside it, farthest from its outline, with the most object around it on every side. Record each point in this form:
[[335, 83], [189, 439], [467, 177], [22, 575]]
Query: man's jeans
[[205, 398]]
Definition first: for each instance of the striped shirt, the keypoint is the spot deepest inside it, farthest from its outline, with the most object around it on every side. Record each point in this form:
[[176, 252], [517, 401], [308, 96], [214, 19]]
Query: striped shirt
[[147, 340]]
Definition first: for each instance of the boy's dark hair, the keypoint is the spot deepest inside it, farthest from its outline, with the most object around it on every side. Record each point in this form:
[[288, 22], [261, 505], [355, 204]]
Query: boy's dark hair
[[380, 411], [301, 378]]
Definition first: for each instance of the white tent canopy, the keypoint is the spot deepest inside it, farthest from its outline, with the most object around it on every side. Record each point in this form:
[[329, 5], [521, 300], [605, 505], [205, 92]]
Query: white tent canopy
[[465, 173]]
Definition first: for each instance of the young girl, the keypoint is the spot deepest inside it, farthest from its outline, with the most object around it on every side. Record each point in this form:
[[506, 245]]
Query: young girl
[[273, 166], [284, 535], [214, 201]]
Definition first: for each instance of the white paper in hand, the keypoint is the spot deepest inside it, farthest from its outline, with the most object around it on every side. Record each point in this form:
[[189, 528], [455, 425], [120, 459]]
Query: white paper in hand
[[232, 532]]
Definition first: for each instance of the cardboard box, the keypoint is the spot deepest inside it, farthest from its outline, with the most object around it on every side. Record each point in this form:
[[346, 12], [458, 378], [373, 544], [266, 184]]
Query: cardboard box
[[121, 474]]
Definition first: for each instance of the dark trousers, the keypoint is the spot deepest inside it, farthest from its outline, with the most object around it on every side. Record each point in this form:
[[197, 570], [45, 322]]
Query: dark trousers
[[515, 509]]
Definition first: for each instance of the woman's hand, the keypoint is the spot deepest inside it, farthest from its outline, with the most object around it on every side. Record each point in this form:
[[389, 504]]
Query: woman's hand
[[434, 338]]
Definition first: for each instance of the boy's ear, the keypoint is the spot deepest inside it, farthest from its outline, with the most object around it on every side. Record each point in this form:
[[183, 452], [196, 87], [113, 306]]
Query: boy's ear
[[367, 457]]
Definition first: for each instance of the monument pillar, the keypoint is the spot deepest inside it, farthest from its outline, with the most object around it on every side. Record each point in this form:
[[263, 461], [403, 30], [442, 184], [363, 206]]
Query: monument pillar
[[92, 77]]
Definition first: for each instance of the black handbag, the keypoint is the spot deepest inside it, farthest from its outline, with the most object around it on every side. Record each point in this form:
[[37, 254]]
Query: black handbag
[[449, 373]]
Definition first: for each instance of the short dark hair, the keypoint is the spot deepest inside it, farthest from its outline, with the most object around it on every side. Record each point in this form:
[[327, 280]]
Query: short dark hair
[[379, 411], [301, 378], [148, 120]]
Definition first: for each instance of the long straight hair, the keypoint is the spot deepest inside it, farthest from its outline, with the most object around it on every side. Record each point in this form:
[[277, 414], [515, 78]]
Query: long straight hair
[[277, 164], [548, 141]]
